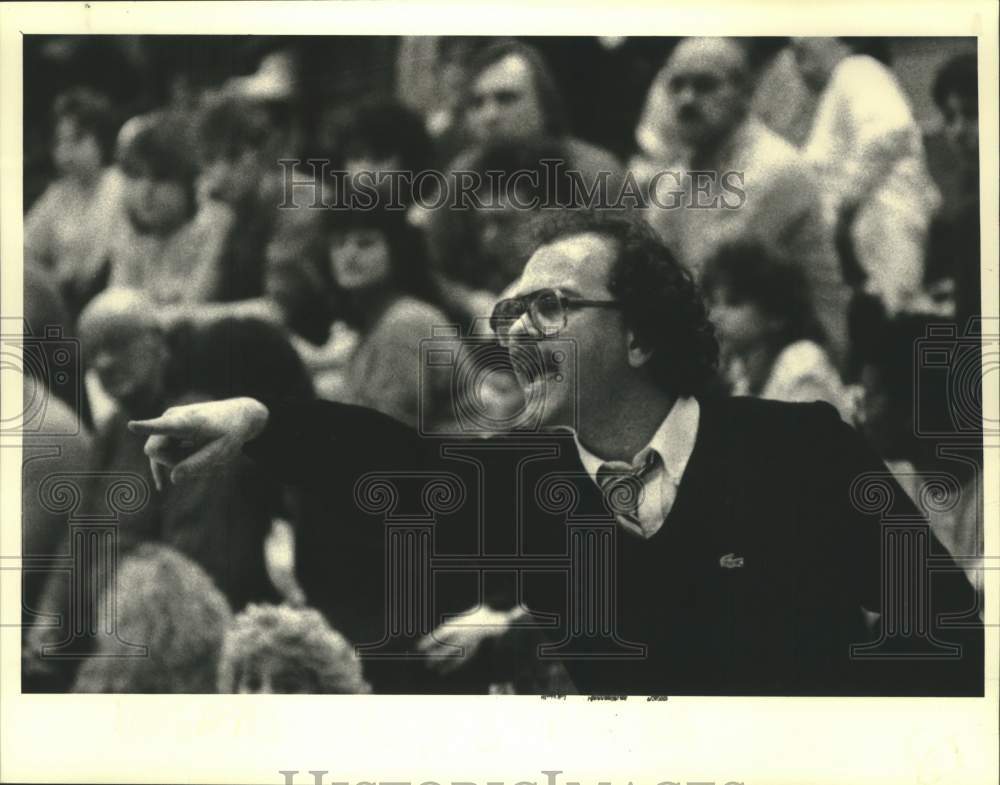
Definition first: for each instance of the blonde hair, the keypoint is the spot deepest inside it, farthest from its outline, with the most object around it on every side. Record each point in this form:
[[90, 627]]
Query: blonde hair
[[308, 652], [168, 604]]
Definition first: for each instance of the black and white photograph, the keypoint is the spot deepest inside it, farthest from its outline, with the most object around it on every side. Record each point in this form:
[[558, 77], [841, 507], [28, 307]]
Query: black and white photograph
[[610, 369]]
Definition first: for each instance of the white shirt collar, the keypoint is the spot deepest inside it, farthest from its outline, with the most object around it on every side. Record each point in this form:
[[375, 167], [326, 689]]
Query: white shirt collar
[[674, 441]]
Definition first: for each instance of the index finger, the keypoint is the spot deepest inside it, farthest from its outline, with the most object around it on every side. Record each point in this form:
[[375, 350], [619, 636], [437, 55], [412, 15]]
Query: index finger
[[164, 424]]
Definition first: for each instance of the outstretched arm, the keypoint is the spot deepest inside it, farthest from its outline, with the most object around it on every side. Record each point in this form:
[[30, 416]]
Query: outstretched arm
[[186, 441], [297, 441]]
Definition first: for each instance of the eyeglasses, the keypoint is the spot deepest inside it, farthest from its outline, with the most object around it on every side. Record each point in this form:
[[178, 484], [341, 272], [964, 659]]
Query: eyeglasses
[[547, 309]]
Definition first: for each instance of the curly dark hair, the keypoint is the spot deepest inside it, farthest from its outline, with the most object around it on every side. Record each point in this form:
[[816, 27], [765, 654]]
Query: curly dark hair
[[228, 125], [660, 301], [411, 271], [750, 274], [959, 76], [382, 128], [93, 114]]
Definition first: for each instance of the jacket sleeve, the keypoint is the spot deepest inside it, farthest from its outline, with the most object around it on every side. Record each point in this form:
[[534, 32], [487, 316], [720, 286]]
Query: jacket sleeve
[[304, 441]]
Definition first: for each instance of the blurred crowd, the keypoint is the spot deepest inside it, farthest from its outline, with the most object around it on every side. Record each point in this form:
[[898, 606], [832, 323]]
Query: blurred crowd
[[163, 231]]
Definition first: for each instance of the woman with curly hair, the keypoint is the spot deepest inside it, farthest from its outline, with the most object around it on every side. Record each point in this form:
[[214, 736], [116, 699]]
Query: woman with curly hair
[[280, 649], [170, 624], [772, 344]]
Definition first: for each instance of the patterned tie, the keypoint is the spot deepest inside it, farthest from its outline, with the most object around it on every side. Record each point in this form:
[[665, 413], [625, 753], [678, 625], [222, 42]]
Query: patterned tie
[[622, 485]]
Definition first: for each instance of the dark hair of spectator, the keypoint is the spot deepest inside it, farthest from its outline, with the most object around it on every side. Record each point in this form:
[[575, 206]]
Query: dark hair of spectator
[[891, 346], [383, 128], [556, 120], [408, 261], [660, 301], [762, 50], [535, 166], [873, 47], [750, 274], [158, 145], [93, 115], [228, 126], [234, 357], [959, 76]]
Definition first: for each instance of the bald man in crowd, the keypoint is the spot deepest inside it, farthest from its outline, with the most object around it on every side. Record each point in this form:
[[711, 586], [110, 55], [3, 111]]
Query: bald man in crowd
[[220, 522], [727, 177]]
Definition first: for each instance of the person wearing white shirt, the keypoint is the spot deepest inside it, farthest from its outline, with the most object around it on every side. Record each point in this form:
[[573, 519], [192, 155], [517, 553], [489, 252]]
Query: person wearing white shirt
[[867, 148]]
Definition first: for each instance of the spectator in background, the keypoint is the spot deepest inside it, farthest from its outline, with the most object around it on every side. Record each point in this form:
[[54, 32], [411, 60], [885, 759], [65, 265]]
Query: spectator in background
[[511, 98], [956, 94], [866, 147], [67, 230], [54, 440], [610, 72], [283, 650], [430, 73], [889, 418], [770, 198], [953, 144], [166, 603], [124, 346], [232, 138], [382, 286], [263, 257], [771, 343], [170, 248], [371, 139], [381, 134], [222, 521], [491, 240], [953, 248]]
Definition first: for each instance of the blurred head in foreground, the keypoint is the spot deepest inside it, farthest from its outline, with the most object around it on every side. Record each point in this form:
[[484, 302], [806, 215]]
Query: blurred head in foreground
[[284, 650], [169, 605]]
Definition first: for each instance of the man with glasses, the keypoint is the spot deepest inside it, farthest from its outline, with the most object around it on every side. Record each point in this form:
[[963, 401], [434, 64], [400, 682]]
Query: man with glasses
[[731, 558]]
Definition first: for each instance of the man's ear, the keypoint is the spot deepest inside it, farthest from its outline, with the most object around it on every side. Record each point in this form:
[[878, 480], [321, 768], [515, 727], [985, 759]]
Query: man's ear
[[638, 355]]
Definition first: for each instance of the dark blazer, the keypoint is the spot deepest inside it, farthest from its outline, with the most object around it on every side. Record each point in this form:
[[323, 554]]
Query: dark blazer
[[785, 525]]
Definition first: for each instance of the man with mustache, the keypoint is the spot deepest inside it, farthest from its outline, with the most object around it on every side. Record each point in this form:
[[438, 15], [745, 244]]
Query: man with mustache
[[719, 538], [730, 178]]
